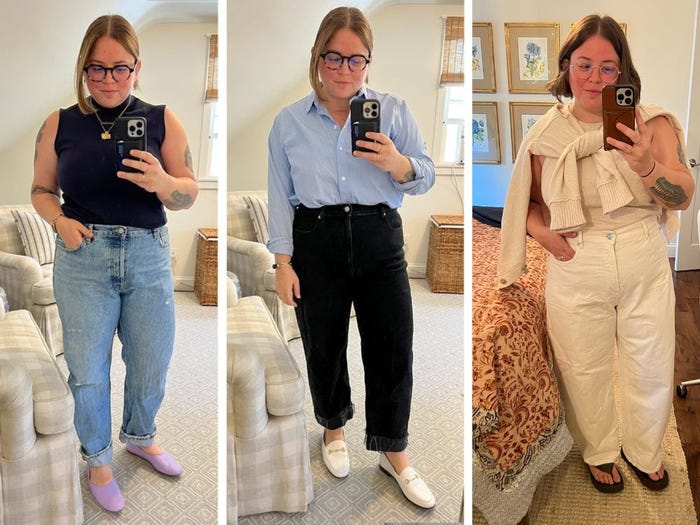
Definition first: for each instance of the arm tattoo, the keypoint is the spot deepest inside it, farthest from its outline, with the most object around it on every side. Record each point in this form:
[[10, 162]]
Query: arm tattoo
[[178, 201], [188, 158], [37, 189], [669, 194], [39, 136]]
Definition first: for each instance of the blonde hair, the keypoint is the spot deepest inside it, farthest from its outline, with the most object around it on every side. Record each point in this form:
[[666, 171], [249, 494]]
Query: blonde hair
[[338, 18], [113, 26]]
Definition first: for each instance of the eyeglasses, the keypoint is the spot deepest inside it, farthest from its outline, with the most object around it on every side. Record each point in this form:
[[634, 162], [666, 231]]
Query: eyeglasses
[[98, 73], [334, 61], [608, 73]]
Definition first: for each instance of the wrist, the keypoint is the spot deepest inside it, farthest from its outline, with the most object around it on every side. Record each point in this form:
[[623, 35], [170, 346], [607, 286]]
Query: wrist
[[54, 221], [280, 265], [653, 167]]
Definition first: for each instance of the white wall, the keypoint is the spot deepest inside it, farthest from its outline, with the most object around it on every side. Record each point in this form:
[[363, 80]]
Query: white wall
[[174, 67], [406, 63], [660, 36], [174, 58]]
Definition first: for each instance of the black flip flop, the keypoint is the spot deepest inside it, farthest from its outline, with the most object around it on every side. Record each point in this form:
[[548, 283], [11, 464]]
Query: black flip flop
[[605, 487], [659, 484]]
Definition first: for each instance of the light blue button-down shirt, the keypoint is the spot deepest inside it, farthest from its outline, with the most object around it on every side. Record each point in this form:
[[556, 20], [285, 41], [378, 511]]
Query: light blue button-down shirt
[[311, 163]]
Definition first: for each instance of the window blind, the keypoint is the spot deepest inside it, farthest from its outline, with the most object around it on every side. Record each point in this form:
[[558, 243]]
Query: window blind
[[212, 90], [452, 72]]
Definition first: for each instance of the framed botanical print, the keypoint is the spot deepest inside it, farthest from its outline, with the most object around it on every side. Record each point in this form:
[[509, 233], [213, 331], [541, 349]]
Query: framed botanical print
[[486, 144], [483, 65], [532, 52], [623, 26], [522, 117]]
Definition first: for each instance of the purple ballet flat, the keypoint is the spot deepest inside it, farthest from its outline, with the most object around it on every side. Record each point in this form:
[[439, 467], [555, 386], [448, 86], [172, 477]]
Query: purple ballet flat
[[163, 463], [108, 496]]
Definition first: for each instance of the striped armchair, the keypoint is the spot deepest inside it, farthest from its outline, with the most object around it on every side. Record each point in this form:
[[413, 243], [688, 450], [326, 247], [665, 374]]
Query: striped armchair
[[28, 283], [252, 262], [268, 452], [39, 477]]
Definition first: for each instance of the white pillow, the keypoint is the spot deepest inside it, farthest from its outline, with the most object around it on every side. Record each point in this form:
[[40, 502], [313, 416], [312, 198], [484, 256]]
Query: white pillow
[[38, 238], [257, 208]]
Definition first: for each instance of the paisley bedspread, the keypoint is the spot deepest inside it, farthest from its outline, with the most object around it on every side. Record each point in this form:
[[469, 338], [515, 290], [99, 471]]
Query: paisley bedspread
[[516, 408]]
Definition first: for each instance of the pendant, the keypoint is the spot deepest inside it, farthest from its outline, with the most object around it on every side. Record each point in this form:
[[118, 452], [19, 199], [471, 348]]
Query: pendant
[[106, 135]]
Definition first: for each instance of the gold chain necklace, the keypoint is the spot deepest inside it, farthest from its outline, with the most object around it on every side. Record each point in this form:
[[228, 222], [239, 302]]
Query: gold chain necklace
[[105, 132]]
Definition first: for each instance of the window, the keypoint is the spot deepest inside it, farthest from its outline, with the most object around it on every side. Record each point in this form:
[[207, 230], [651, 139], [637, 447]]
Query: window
[[452, 96], [451, 133], [212, 155]]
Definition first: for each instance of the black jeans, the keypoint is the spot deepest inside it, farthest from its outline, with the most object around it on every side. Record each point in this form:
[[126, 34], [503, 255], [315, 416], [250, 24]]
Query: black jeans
[[353, 254]]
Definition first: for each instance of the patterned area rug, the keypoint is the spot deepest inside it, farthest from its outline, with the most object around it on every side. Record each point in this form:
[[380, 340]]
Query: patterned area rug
[[187, 428], [436, 446], [567, 497]]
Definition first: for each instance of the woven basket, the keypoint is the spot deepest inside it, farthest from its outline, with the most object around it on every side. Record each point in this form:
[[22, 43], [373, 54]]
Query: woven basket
[[445, 271], [205, 279]]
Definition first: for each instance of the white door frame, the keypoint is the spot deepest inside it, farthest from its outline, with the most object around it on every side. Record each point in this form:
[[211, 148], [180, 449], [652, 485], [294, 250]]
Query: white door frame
[[688, 244]]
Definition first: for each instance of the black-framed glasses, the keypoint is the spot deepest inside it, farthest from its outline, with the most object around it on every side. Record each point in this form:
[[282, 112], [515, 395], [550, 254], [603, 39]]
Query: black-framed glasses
[[97, 73], [334, 61], [608, 72]]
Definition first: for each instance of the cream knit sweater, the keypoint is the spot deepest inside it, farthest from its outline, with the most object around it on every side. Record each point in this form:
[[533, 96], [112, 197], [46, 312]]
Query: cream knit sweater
[[558, 135]]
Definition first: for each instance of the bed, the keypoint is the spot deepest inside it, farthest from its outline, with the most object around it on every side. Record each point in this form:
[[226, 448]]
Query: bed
[[518, 430]]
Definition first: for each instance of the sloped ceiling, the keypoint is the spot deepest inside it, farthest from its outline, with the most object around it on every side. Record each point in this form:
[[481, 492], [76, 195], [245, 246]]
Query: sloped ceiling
[[40, 40]]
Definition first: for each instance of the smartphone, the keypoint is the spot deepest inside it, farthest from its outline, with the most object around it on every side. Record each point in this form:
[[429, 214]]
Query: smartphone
[[364, 117], [618, 106], [129, 133]]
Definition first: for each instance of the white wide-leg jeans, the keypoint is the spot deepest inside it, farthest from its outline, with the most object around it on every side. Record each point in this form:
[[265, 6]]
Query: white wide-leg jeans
[[615, 294]]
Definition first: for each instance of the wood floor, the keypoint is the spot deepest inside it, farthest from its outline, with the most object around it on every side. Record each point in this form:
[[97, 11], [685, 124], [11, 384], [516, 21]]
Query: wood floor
[[687, 285]]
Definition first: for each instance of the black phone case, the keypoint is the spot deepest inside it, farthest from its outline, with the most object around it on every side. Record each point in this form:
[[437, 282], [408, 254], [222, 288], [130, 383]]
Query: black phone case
[[618, 106], [129, 133], [364, 117]]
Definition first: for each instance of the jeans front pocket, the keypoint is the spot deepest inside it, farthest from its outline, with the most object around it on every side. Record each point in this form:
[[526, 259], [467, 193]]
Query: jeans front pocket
[[60, 244]]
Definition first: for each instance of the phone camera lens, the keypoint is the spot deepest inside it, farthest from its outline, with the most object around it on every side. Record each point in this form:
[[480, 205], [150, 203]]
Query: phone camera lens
[[374, 107], [374, 113]]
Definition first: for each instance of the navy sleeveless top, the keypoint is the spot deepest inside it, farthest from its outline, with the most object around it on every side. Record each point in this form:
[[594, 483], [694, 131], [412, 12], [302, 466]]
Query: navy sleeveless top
[[87, 167]]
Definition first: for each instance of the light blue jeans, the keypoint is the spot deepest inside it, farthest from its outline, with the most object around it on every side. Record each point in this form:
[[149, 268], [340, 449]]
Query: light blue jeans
[[120, 280]]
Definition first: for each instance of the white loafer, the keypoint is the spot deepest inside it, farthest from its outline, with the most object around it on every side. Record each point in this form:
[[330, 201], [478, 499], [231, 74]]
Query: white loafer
[[335, 456], [411, 484]]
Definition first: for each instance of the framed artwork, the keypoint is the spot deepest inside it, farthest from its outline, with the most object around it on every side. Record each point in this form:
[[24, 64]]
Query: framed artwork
[[623, 26], [522, 116], [486, 144], [483, 68], [532, 51]]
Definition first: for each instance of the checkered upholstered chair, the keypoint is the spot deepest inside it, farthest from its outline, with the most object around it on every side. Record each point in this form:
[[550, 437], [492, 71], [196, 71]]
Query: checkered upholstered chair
[[252, 262], [39, 478], [27, 282], [268, 450]]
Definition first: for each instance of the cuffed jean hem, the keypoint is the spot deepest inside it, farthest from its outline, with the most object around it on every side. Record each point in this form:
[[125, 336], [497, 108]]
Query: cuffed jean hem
[[337, 421], [385, 444], [141, 441], [103, 457]]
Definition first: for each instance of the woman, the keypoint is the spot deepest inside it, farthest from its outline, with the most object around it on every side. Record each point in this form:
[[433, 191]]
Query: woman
[[609, 286], [337, 240], [112, 265]]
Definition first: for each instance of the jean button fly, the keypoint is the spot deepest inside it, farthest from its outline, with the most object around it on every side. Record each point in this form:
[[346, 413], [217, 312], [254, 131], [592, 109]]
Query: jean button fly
[[347, 209]]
